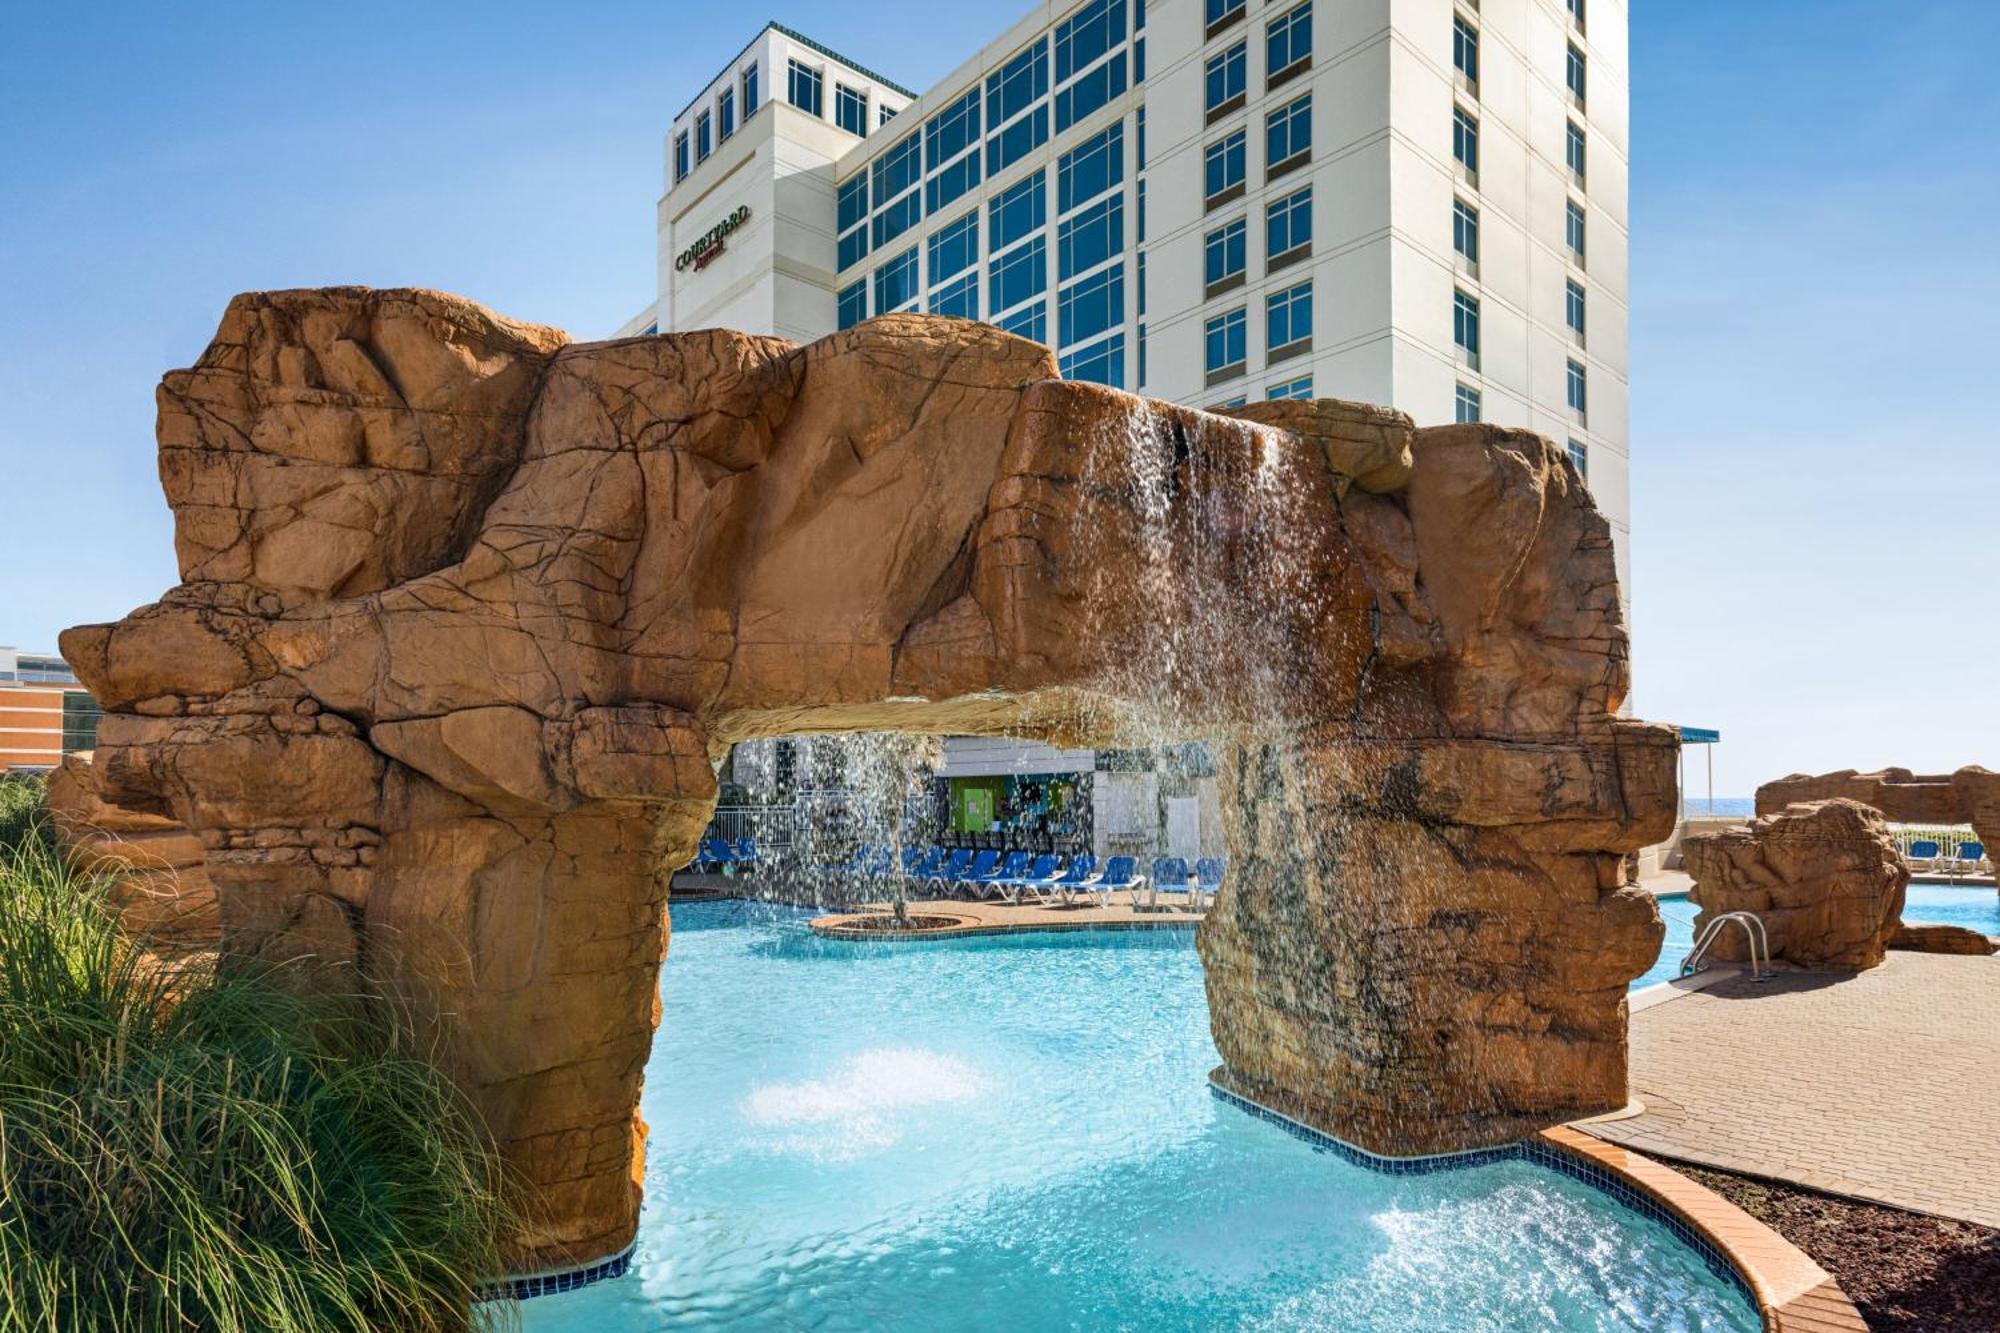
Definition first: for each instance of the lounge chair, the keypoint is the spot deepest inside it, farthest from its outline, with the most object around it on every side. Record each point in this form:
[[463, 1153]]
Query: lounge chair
[[984, 866], [1969, 858], [1013, 868], [715, 854], [1046, 870], [1120, 872], [1082, 869], [746, 851], [1923, 855], [956, 866], [1170, 875], [1208, 872], [924, 868]]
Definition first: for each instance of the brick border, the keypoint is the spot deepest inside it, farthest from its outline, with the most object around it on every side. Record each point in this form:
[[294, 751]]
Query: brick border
[[835, 927]]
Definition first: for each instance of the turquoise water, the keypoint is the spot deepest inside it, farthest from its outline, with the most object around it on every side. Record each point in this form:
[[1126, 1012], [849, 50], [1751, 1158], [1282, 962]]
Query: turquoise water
[[1017, 1134]]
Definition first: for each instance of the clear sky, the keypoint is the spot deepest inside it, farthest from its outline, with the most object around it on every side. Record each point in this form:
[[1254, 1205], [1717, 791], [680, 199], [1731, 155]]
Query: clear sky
[[1816, 476]]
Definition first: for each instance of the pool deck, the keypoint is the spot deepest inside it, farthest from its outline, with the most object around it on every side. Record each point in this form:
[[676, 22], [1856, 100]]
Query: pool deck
[[1883, 1086], [993, 918]]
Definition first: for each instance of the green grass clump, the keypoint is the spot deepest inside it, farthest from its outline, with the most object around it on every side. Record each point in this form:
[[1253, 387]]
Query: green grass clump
[[191, 1151], [22, 814]]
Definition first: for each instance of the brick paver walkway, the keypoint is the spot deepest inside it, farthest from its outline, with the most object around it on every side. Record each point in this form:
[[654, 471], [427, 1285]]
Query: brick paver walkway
[[1885, 1086]]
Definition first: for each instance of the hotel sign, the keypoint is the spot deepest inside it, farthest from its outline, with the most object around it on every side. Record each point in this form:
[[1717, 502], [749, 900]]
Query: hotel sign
[[709, 246]]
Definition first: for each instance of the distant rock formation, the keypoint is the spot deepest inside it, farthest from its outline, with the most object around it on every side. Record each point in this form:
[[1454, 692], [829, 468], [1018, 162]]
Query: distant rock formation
[[469, 612], [1825, 877], [1969, 796]]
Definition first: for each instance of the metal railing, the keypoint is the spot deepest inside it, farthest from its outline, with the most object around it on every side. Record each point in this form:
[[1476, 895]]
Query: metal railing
[[1753, 931]]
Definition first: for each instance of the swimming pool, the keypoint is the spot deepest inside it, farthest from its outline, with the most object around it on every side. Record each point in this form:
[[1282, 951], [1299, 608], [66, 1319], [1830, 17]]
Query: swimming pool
[[1017, 1133]]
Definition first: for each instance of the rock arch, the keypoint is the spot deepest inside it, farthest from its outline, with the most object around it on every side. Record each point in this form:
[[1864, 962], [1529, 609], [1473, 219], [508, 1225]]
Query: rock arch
[[468, 611]]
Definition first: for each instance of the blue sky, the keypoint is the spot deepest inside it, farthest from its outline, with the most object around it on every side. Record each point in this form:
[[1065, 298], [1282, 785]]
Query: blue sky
[[1816, 473]]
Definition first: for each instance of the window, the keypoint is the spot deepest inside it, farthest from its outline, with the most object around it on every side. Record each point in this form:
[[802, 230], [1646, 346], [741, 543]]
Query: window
[[952, 182], [1579, 454], [885, 114], [703, 137], [1223, 258], [1224, 336], [80, 716], [1574, 230], [896, 282], [1224, 80], [1139, 188], [959, 299], [1287, 135], [1091, 237], [851, 201], [1573, 308], [1288, 227], [1139, 54], [1090, 92], [1087, 35], [1465, 231], [1017, 85], [1090, 168], [1579, 390], [1288, 320], [1091, 306], [850, 109], [680, 156], [1223, 169], [1468, 404], [1465, 141], [1288, 41], [1019, 275], [1229, 403], [1301, 388], [725, 112], [749, 91], [1465, 327], [896, 218], [1016, 211], [954, 247], [1221, 12], [853, 304], [1142, 289], [802, 87], [1139, 150], [853, 247], [951, 131], [1576, 11], [1465, 51], [1140, 283], [1030, 322], [1017, 141], [1574, 152], [1101, 363], [1577, 75]]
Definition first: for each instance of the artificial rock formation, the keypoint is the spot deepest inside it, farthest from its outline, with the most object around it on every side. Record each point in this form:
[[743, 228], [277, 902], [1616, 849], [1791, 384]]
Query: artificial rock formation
[[159, 885], [1969, 796], [1824, 877], [1943, 939], [469, 613]]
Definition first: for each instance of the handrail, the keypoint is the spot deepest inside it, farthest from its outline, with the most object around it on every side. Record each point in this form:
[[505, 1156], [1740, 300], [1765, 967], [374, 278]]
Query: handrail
[[1753, 932]]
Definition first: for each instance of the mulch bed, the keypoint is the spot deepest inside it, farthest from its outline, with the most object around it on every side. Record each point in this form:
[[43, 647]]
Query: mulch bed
[[1908, 1273]]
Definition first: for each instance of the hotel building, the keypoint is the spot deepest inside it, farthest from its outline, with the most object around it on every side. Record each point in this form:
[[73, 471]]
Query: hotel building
[[45, 713], [1412, 202]]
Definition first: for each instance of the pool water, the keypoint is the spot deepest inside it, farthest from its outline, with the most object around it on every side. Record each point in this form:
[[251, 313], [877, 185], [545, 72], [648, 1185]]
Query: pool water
[[1016, 1133]]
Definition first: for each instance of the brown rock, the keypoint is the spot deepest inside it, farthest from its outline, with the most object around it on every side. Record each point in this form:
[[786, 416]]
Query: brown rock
[[470, 613], [162, 890], [1824, 877], [1942, 939], [1969, 796]]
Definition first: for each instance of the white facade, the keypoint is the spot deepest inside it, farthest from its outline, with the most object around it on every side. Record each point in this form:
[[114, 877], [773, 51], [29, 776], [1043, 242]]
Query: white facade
[[1371, 133]]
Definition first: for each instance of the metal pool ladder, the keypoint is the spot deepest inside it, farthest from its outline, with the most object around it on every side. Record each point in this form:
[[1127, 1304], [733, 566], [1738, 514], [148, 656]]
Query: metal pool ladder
[[1753, 931]]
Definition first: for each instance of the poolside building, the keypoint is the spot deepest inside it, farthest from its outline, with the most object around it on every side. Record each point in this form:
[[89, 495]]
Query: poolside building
[[45, 713], [1207, 201]]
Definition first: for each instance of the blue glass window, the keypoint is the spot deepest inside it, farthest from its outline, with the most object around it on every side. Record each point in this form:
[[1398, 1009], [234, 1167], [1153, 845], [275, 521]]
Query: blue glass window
[[1288, 132], [1218, 10], [898, 169], [1465, 325], [1090, 92], [1223, 76], [1224, 338], [1302, 387], [1288, 316], [1573, 229], [1579, 454], [952, 182], [1288, 39], [1469, 407], [1288, 223], [1142, 329], [958, 299], [898, 218], [951, 131], [1091, 305], [1465, 140], [1573, 152], [1140, 283], [1030, 322], [1223, 164], [1015, 142], [702, 144], [749, 90], [884, 114], [1090, 168], [1018, 275], [1016, 212], [803, 87], [853, 303], [1088, 34], [1100, 363], [1573, 307], [1139, 56], [850, 109], [896, 282], [1465, 49], [1577, 75], [954, 247], [1091, 237], [1579, 389], [1465, 230], [851, 201], [853, 247], [725, 112], [1017, 85], [1139, 188], [1223, 253], [680, 156]]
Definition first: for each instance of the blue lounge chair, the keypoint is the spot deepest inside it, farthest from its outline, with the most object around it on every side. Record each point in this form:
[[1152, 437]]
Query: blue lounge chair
[[1046, 870], [925, 868], [955, 866], [1170, 875], [1015, 866], [1120, 872], [746, 851], [1082, 869], [879, 864], [1208, 873], [715, 854], [1923, 854], [1969, 859], [984, 867]]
